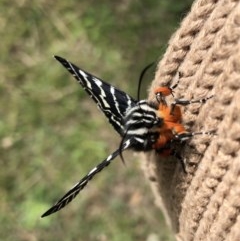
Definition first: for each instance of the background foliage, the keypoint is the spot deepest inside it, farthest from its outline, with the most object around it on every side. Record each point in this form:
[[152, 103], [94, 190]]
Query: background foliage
[[51, 133]]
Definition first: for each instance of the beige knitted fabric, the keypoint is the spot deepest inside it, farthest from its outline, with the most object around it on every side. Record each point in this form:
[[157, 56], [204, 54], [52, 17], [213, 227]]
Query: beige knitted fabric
[[203, 204]]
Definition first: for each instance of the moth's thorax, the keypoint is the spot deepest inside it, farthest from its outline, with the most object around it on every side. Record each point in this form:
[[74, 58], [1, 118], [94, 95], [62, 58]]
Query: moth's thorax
[[172, 125], [168, 114]]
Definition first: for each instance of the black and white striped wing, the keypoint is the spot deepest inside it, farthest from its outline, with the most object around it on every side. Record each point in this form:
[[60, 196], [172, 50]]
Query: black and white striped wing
[[112, 101], [73, 192]]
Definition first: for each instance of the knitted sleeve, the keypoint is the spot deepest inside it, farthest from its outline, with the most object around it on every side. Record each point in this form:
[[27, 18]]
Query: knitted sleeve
[[203, 204]]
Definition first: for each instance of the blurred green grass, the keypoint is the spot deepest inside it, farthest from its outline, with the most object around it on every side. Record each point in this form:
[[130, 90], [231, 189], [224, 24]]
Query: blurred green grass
[[51, 133]]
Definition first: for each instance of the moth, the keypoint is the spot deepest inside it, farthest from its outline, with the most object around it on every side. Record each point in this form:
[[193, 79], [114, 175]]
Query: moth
[[143, 125]]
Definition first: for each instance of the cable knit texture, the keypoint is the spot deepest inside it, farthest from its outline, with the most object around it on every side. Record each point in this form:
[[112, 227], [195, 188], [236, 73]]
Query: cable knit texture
[[203, 204]]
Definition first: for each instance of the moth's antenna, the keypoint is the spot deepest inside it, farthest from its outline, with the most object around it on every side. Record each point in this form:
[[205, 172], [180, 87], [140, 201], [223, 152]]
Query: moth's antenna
[[141, 78], [121, 145]]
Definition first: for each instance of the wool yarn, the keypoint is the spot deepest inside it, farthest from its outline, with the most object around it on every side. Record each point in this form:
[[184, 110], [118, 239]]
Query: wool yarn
[[203, 204]]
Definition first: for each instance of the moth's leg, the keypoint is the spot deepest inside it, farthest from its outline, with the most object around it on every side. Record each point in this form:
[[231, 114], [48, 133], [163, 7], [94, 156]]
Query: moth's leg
[[184, 102]]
